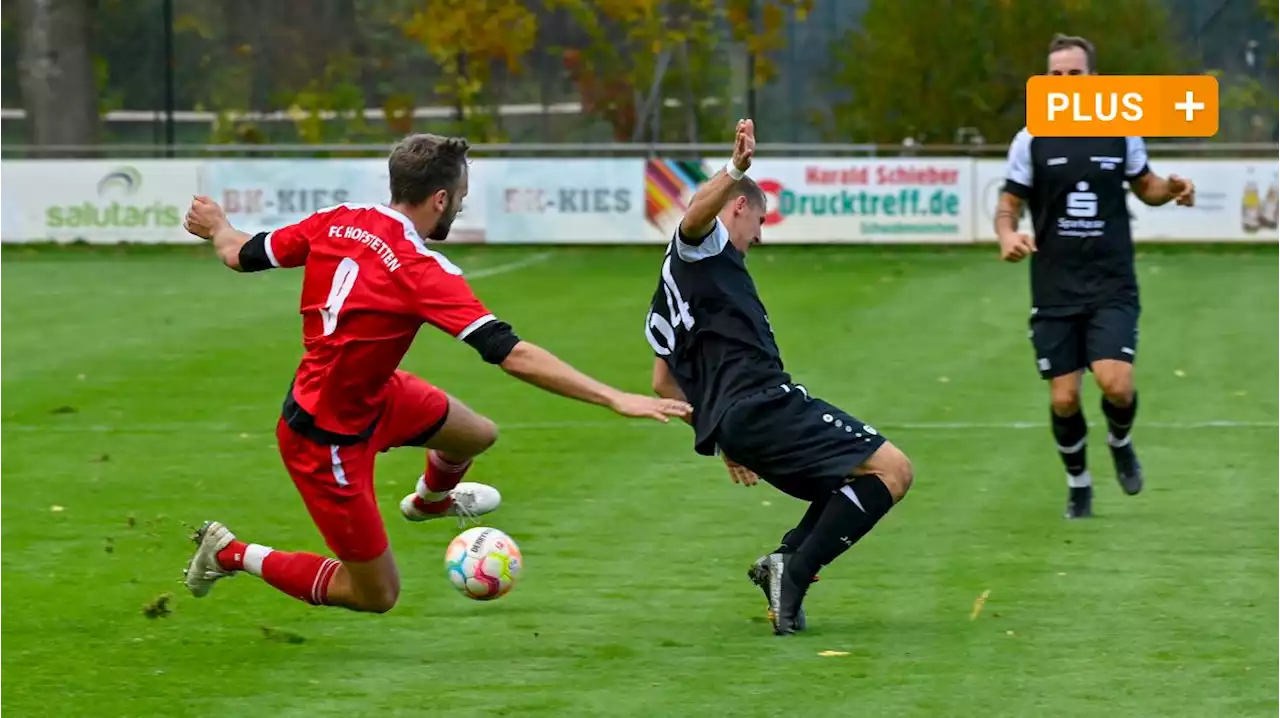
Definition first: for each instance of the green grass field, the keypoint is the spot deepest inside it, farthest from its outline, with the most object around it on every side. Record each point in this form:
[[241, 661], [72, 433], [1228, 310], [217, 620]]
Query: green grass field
[[141, 388]]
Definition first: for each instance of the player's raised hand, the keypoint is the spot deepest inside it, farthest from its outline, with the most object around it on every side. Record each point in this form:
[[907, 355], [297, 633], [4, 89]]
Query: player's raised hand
[[739, 473], [1016, 246], [744, 144], [204, 218], [1183, 190], [648, 407]]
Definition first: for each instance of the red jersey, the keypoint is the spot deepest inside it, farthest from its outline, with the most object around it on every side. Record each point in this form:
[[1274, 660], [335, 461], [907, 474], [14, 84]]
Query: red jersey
[[369, 283]]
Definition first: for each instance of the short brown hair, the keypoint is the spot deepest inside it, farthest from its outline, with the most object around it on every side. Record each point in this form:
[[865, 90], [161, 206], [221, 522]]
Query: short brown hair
[[421, 165], [1066, 42], [747, 187]]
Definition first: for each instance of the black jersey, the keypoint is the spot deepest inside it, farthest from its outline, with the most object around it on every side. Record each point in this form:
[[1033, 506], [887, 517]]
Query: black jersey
[[708, 324], [1075, 187]]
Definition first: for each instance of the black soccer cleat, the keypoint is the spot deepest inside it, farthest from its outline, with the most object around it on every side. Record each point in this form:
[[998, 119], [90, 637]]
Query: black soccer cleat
[[1079, 502], [759, 575], [1128, 468], [786, 594]]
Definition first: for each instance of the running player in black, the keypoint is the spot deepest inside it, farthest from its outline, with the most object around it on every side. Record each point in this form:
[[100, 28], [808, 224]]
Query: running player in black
[[715, 349], [1084, 291]]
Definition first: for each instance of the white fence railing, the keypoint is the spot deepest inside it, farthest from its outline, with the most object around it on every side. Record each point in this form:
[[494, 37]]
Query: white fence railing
[[819, 198], [619, 149]]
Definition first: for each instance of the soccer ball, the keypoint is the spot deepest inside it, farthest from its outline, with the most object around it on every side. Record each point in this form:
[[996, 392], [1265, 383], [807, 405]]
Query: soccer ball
[[483, 563]]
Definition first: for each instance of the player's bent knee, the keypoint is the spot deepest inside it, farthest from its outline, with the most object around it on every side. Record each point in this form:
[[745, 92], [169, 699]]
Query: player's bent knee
[[1115, 379], [900, 479], [368, 586], [1120, 395], [1065, 400], [893, 468], [465, 435], [486, 435], [1117, 388], [380, 599]]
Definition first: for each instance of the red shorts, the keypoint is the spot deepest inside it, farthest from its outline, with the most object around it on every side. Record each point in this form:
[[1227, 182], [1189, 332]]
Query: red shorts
[[336, 482]]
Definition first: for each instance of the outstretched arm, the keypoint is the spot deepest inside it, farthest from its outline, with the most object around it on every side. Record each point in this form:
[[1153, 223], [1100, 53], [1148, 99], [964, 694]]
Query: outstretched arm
[[227, 243], [285, 247], [711, 197], [537, 366], [206, 220], [665, 386], [447, 302]]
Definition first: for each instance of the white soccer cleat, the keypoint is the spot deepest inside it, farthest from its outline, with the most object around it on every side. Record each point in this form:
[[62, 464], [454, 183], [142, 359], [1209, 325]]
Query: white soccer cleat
[[470, 500], [203, 570]]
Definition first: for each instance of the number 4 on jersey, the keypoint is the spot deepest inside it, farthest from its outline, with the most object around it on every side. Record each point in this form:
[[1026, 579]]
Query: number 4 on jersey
[[344, 278], [677, 311]]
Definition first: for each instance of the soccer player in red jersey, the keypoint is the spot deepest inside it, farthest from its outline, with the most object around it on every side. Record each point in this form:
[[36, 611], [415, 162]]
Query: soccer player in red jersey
[[369, 283]]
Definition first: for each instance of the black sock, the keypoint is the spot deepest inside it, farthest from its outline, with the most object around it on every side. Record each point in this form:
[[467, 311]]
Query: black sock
[[1070, 433], [845, 519], [793, 539], [1120, 419]]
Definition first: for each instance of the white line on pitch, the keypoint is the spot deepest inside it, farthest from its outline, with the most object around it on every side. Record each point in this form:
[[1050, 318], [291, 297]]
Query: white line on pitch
[[925, 426], [509, 266], [937, 425]]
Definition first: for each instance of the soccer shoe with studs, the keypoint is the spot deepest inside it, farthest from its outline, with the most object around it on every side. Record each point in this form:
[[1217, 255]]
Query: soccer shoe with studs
[[786, 594], [203, 570], [467, 501], [1079, 502], [1128, 468], [759, 575]]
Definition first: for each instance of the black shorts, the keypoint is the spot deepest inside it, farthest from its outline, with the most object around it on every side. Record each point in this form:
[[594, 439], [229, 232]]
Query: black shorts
[[1067, 340], [803, 446]]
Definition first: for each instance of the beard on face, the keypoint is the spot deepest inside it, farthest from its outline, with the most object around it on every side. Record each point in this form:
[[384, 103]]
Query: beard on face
[[440, 232]]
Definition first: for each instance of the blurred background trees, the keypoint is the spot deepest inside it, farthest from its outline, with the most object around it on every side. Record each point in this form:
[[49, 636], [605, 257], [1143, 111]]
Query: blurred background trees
[[350, 71], [920, 70]]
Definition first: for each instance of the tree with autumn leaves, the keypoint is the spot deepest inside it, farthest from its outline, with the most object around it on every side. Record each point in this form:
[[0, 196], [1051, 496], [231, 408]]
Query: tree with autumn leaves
[[641, 70], [467, 38], [641, 62], [660, 69]]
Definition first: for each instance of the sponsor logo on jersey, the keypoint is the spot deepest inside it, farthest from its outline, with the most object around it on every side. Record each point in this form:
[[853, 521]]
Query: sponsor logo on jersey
[[1082, 213]]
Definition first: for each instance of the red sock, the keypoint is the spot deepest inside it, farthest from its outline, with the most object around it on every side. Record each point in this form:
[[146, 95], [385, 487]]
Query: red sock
[[305, 576], [442, 474], [231, 558]]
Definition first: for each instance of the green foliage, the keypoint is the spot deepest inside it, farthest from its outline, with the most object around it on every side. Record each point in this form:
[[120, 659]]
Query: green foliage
[[330, 109], [226, 72], [758, 25], [622, 62], [109, 98], [919, 68], [467, 38], [10, 39], [1249, 105]]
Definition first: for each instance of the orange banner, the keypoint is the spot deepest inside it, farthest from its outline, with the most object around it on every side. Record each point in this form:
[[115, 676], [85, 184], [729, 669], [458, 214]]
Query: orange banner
[[1122, 105]]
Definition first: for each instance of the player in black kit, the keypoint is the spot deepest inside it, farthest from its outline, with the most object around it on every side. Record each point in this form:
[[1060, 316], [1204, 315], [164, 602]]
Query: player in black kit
[[1084, 291], [715, 349]]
